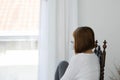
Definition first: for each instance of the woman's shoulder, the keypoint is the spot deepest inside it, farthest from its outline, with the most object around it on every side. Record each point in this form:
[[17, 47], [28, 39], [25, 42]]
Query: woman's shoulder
[[77, 58], [83, 56]]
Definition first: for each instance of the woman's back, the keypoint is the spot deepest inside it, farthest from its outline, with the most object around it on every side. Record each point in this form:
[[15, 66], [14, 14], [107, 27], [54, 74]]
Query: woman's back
[[83, 66]]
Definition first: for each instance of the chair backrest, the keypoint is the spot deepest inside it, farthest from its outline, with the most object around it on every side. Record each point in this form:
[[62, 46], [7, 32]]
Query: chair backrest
[[101, 55]]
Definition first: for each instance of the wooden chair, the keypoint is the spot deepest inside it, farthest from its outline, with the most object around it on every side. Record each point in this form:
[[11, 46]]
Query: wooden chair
[[102, 55]]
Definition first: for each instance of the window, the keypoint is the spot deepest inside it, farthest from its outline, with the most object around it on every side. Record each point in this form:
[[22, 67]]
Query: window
[[19, 30], [19, 17]]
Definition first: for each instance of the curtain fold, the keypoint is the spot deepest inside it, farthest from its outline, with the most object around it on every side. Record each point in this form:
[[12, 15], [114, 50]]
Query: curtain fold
[[43, 42]]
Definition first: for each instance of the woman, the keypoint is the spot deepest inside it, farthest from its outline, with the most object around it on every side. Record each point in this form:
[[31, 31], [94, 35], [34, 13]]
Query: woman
[[84, 65]]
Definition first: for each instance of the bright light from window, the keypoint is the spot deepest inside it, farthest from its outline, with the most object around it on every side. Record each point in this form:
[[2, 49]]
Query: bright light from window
[[19, 57], [19, 30], [19, 17], [19, 20]]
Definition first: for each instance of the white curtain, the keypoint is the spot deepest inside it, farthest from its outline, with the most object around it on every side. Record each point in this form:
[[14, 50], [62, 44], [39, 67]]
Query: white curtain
[[58, 19], [43, 42]]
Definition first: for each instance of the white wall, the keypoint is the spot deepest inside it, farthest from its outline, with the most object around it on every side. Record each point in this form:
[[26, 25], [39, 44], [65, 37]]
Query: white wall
[[103, 16]]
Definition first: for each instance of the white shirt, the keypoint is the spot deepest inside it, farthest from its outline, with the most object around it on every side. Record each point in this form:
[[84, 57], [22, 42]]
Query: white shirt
[[83, 67]]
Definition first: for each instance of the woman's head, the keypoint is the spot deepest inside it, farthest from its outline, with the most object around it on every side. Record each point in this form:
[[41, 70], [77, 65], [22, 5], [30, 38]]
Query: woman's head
[[83, 39]]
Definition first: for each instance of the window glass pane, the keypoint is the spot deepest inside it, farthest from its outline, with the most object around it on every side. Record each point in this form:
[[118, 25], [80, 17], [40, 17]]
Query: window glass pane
[[19, 60], [19, 28], [19, 17], [21, 53]]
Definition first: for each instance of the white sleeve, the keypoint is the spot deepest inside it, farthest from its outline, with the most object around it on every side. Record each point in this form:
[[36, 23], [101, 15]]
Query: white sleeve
[[72, 69]]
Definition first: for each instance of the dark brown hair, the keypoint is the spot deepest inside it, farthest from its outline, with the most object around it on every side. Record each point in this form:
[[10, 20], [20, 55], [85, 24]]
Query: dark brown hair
[[83, 39]]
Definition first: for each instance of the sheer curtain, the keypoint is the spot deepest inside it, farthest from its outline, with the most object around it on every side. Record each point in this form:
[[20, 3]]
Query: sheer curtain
[[43, 42], [58, 19]]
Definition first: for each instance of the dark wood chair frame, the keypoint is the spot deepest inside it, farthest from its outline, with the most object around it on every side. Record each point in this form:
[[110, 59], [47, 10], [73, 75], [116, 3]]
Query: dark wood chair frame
[[102, 56]]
